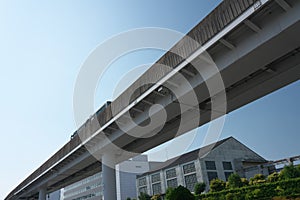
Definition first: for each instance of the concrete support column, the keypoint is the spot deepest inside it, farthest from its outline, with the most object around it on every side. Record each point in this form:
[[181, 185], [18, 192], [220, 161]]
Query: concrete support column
[[42, 193], [109, 177]]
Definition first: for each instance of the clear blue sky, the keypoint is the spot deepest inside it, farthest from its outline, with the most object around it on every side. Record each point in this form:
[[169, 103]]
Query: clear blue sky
[[42, 46]]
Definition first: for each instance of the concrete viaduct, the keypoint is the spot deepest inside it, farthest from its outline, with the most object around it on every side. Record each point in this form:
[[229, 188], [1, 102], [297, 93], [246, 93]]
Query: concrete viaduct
[[255, 46]]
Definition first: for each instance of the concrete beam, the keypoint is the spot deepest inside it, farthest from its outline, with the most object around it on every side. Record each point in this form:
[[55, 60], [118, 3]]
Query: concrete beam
[[137, 110], [120, 122], [147, 102], [188, 72], [172, 83], [269, 70], [158, 93], [252, 26], [283, 4], [227, 44], [112, 128]]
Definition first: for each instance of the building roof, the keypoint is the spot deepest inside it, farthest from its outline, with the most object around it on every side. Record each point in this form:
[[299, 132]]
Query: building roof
[[187, 157]]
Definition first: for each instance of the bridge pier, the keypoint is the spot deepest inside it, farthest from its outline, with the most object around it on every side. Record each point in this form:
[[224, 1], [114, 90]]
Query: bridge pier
[[42, 193], [109, 177]]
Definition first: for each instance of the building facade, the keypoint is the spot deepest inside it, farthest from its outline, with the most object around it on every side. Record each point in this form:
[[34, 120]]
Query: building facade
[[126, 173], [217, 160], [91, 188], [57, 195]]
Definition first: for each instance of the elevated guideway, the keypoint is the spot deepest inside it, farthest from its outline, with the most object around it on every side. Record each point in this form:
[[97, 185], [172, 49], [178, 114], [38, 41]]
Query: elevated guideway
[[254, 44]]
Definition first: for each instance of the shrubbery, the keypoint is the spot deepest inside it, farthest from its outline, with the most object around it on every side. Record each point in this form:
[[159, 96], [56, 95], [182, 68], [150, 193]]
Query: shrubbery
[[234, 181], [217, 185], [277, 186], [273, 177], [144, 196], [180, 193], [199, 188], [289, 172], [156, 197], [257, 179], [285, 188], [283, 184], [245, 182], [169, 193]]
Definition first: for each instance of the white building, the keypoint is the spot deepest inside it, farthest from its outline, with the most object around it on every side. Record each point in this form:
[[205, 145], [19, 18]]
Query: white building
[[217, 160], [91, 188], [126, 173], [57, 195]]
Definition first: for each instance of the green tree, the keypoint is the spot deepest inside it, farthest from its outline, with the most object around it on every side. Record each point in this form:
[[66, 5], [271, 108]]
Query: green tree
[[128, 198], [144, 196], [181, 193], [217, 185], [289, 172], [199, 188], [234, 181]]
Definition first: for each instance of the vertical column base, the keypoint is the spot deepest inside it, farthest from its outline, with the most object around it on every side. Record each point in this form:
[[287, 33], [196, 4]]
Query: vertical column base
[[109, 177], [42, 193]]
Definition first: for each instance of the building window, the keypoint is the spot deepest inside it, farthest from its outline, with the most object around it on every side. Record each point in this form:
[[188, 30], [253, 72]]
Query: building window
[[210, 165], [172, 183], [156, 188], [227, 174], [155, 178], [188, 168], [212, 175], [171, 173], [227, 165], [143, 190], [171, 178], [190, 181], [142, 181]]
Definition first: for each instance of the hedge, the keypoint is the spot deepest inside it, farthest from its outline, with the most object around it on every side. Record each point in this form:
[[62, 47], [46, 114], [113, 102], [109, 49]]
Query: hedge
[[264, 191]]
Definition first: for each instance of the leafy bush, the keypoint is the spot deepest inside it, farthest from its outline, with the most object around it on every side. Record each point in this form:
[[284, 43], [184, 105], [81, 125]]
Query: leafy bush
[[273, 177], [199, 188], [245, 182], [144, 196], [229, 196], [233, 196], [289, 171], [181, 193], [168, 193], [258, 178], [156, 197], [217, 185], [234, 181], [286, 188], [289, 187]]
